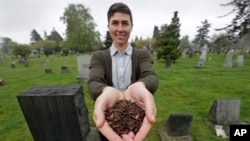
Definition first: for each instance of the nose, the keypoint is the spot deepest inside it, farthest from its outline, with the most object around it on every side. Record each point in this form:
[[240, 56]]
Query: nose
[[120, 27]]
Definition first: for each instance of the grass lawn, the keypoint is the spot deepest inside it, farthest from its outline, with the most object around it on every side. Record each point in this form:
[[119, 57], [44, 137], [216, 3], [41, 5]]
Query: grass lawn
[[182, 89]]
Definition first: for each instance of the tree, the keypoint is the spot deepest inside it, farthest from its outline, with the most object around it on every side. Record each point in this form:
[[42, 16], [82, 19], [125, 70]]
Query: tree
[[54, 35], [47, 46], [202, 37], [169, 40], [6, 46], [108, 40], [221, 42], [240, 24], [184, 43], [35, 36], [156, 32], [23, 50], [80, 27]]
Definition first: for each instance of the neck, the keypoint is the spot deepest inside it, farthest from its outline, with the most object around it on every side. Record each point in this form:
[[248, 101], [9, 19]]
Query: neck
[[121, 47]]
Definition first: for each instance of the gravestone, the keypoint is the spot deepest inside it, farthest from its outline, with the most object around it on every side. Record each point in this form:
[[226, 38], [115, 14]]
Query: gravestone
[[48, 71], [223, 113], [177, 128], [184, 53], [56, 113], [240, 61], [83, 63], [1, 61], [13, 64], [1, 81], [26, 63], [168, 63], [228, 61], [64, 69], [202, 58]]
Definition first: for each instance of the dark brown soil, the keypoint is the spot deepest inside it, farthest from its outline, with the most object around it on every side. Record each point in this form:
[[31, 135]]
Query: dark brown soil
[[125, 116]]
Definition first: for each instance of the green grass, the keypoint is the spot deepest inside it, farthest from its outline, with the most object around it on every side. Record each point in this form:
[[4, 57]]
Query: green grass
[[182, 89]]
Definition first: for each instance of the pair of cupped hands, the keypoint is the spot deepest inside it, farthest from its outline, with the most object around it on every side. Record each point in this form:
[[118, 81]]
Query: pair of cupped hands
[[136, 92]]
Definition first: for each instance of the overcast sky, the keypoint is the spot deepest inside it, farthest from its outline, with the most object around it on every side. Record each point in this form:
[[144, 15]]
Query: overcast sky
[[19, 17]]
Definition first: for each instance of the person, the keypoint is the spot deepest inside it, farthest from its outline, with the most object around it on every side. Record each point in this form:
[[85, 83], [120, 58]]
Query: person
[[122, 72]]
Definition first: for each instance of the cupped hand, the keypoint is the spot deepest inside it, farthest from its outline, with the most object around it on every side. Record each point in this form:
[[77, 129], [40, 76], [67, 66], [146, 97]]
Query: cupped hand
[[137, 92], [108, 98]]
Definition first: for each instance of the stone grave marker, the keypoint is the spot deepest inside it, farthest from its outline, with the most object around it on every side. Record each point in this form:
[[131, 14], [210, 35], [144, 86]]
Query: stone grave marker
[[13, 64], [223, 113], [177, 128], [240, 61], [64, 69], [228, 61], [83, 63], [184, 53], [1, 61], [57, 113], [48, 71], [26, 62], [202, 58]]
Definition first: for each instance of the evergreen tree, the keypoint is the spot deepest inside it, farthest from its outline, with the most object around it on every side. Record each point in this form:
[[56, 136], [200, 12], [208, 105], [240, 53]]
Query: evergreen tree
[[156, 32], [35, 36], [202, 37], [240, 24], [184, 43], [54, 35], [108, 40], [169, 40]]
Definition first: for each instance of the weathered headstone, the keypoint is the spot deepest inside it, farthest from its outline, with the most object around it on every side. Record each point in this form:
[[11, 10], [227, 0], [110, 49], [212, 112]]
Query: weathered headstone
[[202, 58], [1, 81], [13, 64], [64, 69], [56, 113], [168, 62], [239, 61], [177, 128], [26, 63], [184, 53], [1, 61], [228, 61], [83, 63], [223, 113], [204, 52], [48, 71]]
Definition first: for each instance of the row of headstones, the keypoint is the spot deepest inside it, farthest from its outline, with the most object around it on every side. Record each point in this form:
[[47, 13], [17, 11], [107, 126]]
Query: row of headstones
[[60, 113], [228, 60], [64, 69], [23, 61]]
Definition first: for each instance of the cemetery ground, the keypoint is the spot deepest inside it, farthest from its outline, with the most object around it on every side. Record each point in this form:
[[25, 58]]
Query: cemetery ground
[[182, 89]]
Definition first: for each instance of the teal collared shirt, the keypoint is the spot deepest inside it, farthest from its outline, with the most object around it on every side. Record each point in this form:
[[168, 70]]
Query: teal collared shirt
[[121, 67]]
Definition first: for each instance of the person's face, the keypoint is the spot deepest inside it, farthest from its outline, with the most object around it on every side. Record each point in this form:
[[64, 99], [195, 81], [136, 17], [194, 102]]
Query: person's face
[[120, 27]]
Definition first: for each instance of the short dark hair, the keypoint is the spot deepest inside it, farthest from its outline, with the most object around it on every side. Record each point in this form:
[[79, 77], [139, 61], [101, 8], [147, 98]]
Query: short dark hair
[[119, 7]]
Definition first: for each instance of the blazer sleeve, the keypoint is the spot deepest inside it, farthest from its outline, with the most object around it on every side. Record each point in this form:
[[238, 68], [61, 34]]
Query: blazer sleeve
[[145, 70], [97, 80]]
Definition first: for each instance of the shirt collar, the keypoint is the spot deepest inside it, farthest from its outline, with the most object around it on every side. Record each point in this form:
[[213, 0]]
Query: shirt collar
[[114, 50]]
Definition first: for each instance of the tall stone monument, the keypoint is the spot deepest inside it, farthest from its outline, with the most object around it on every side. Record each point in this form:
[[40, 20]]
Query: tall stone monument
[[202, 58], [228, 62]]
